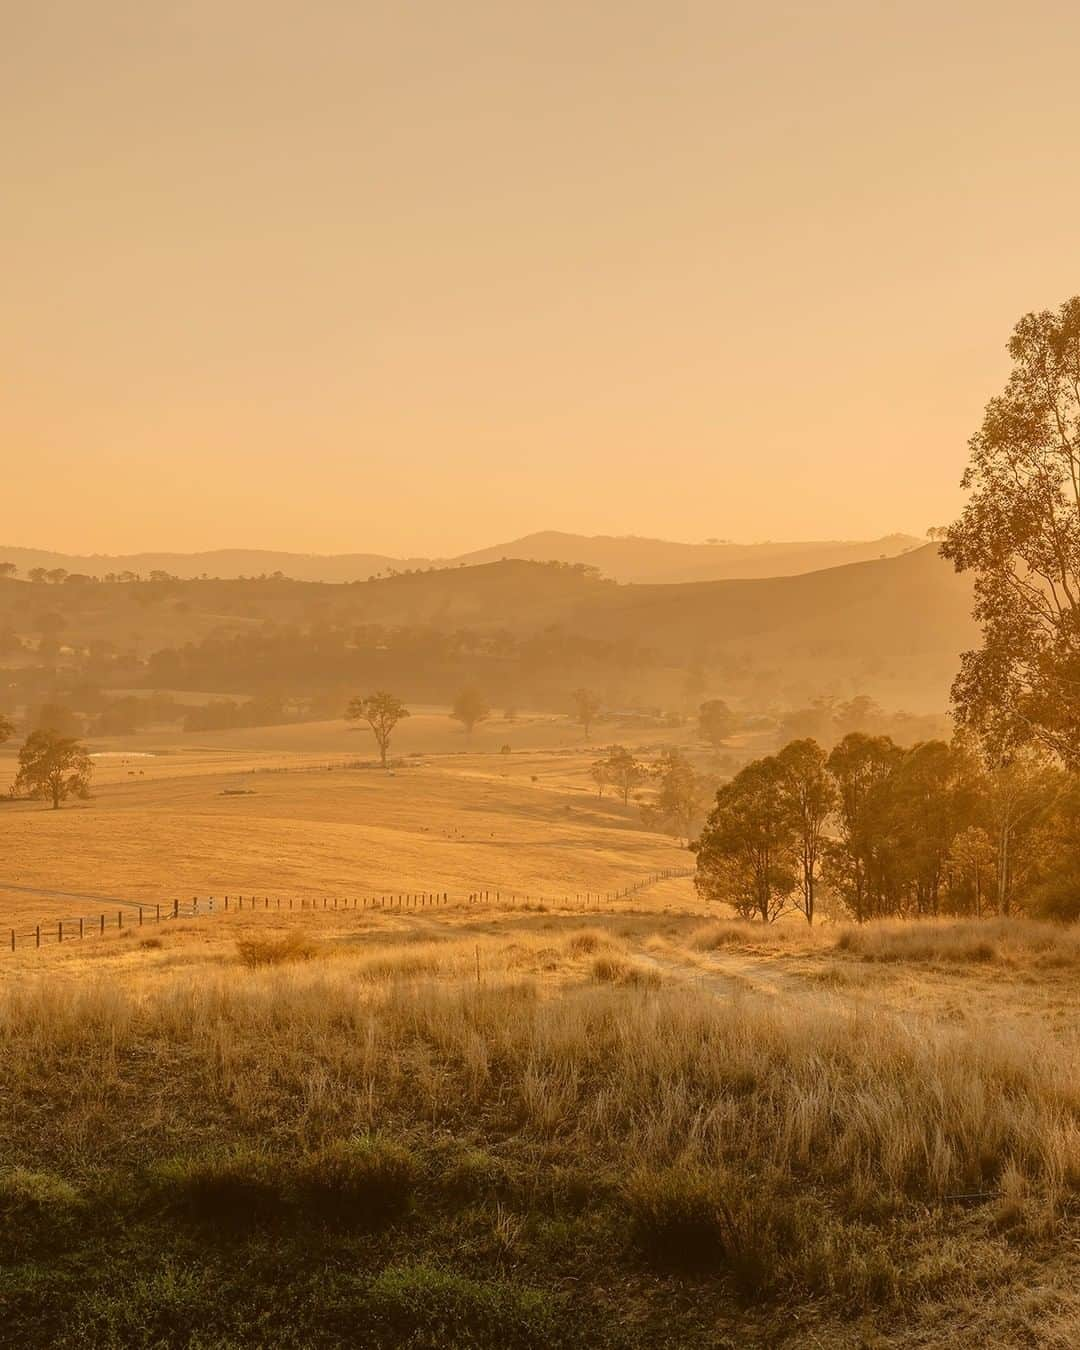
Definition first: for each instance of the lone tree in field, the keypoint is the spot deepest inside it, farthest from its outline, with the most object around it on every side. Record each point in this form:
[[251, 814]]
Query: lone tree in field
[[1020, 535], [7, 729], [53, 767], [716, 722], [586, 706], [382, 712], [621, 770], [7, 569], [470, 708]]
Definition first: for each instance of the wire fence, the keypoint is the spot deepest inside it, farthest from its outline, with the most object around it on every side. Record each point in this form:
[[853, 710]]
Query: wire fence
[[134, 914]]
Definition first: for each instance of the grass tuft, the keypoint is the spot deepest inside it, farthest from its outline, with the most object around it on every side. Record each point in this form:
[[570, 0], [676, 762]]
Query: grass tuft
[[366, 1181]]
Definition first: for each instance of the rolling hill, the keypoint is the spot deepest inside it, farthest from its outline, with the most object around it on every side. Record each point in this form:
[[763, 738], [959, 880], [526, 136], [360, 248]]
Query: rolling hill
[[892, 628], [623, 558]]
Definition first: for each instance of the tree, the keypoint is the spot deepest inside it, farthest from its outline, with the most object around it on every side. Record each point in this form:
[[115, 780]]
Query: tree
[[53, 767], [680, 798], [38, 574], [811, 797], [1020, 535], [746, 853], [716, 722], [1019, 787], [972, 861], [470, 707], [598, 773], [620, 769], [859, 765], [382, 712], [586, 706], [7, 569], [7, 729]]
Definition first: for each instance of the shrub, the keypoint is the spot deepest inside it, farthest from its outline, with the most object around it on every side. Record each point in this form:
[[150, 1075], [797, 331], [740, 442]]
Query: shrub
[[234, 1187], [616, 970], [675, 1217], [590, 940], [427, 1307], [366, 1181], [268, 951], [682, 1219], [36, 1208]]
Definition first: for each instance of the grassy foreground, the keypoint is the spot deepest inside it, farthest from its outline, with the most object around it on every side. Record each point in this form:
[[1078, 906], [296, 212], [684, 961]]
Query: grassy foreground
[[318, 1146]]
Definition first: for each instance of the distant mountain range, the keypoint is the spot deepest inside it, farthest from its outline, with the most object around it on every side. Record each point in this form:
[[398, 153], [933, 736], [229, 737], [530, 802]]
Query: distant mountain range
[[621, 557]]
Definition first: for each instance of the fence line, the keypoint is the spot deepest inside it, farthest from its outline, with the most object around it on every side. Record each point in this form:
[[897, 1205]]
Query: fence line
[[58, 931]]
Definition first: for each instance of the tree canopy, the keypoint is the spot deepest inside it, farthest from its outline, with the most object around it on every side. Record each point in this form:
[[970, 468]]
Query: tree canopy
[[470, 708], [1020, 535], [53, 767], [382, 712]]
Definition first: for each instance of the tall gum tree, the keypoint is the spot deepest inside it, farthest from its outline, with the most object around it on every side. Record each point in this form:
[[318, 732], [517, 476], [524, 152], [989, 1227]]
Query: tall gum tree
[[1020, 535]]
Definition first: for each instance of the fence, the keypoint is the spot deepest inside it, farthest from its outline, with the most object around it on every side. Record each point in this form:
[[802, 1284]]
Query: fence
[[76, 929]]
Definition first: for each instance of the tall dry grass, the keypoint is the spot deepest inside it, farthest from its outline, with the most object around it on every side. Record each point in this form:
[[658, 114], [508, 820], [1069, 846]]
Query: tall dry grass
[[617, 1073]]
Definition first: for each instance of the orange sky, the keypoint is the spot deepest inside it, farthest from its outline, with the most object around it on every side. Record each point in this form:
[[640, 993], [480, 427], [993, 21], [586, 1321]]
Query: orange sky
[[417, 276]]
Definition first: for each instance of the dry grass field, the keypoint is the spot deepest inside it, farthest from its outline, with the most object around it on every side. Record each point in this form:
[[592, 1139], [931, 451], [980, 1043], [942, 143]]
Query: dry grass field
[[306, 810], [507, 1124]]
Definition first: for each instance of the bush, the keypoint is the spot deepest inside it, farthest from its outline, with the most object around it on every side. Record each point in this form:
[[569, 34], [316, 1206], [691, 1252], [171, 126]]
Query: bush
[[233, 1187], [365, 1181], [615, 970], [429, 1308], [267, 951], [590, 940], [675, 1217], [36, 1209], [683, 1220]]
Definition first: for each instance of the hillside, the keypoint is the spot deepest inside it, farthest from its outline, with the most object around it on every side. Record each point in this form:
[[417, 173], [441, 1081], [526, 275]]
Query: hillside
[[624, 558], [892, 628]]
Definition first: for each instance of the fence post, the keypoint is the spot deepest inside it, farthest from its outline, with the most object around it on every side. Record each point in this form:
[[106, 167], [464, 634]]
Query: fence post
[[60, 930], [119, 918], [103, 924], [37, 935], [13, 939], [80, 928], [140, 916]]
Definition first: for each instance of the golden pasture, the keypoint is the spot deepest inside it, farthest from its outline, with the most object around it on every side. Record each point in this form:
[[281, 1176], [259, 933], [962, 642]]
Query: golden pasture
[[307, 811]]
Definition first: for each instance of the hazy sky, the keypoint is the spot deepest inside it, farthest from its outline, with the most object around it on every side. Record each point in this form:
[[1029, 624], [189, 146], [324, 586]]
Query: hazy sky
[[419, 276]]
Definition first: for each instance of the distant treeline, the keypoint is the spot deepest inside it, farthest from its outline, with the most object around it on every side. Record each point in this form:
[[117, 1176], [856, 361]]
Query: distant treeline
[[421, 663]]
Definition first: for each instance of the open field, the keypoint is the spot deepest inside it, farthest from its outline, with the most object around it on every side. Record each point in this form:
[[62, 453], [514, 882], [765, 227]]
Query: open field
[[307, 811]]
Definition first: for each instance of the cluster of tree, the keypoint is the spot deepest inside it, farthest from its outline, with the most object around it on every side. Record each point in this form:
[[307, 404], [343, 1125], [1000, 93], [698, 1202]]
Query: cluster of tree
[[430, 664], [934, 829], [829, 720], [226, 714]]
